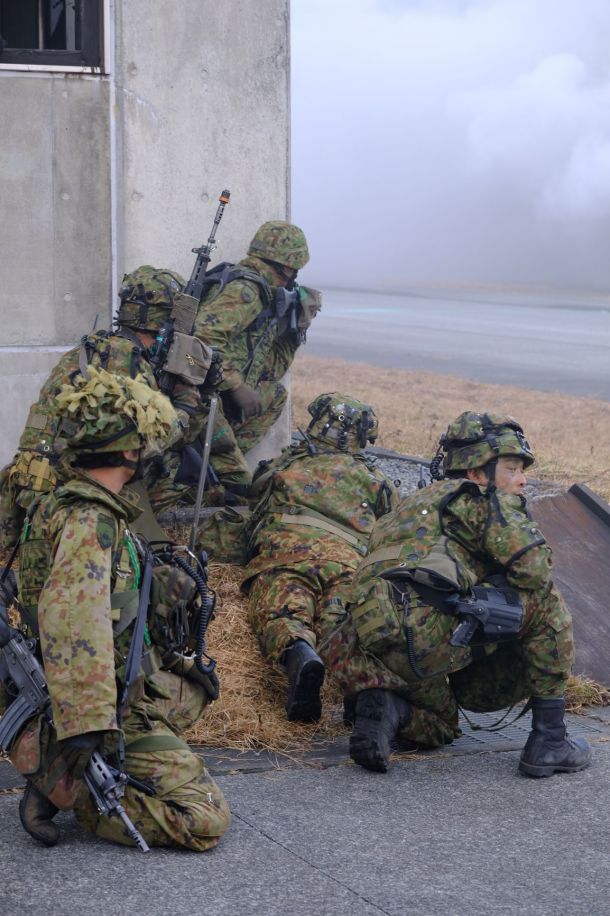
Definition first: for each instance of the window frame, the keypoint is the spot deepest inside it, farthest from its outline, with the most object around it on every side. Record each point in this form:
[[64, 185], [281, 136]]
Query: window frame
[[92, 58]]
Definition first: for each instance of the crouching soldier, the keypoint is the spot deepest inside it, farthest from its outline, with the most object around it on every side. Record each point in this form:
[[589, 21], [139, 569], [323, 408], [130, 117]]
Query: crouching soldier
[[318, 503], [109, 653], [454, 605]]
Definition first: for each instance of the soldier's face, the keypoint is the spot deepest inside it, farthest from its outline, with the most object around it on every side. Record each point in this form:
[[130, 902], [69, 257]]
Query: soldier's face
[[510, 476]]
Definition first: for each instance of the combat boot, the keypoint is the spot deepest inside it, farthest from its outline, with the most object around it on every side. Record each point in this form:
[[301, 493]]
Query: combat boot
[[548, 749], [36, 814], [379, 715], [305, 678]]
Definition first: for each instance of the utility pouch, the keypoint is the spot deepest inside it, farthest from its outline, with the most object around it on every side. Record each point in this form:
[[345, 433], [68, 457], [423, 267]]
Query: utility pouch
[[375, 617], [487, 615], [173, 610], [188, 358], [224, 535]]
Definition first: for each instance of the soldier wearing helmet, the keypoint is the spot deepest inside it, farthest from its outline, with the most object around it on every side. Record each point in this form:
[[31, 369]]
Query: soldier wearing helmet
[[81, 568], [256, 316], [318, 502], [454, 606], [147, 296]]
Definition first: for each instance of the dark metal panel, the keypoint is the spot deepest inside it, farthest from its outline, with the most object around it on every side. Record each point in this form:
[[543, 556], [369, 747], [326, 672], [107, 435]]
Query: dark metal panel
[[578, 531]]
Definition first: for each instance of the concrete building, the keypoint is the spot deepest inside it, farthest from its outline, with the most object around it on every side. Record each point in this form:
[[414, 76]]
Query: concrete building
[[122, 122]]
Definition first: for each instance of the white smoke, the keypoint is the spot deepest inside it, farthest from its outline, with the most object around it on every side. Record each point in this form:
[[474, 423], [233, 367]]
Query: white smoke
[[458, 141]]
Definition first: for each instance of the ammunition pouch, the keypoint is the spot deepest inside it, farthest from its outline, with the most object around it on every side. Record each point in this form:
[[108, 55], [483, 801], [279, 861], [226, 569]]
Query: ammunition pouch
[[188, 358]]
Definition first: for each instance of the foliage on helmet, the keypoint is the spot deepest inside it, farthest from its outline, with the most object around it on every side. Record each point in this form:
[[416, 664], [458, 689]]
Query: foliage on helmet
[[104, 412], [281, 242], [147, 295], [474, 439], [342, 421]]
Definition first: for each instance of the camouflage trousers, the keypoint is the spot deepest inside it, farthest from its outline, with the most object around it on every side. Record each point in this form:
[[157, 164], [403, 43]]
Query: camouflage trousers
[[188, 810], [229, 442], [379, 644], [296, 602]]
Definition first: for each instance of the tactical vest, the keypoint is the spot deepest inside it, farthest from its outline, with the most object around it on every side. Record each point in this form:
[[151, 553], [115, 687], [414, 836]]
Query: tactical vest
[[227, 272]]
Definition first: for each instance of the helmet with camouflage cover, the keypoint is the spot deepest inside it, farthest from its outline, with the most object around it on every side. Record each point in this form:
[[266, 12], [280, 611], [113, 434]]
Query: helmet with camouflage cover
[[474, 439], [342, 421], [282, 243], [103, 413], [147, 296]]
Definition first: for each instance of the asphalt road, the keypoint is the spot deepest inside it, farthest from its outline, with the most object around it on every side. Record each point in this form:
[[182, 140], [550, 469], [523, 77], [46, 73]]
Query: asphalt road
[[538, 341], [454, 833]]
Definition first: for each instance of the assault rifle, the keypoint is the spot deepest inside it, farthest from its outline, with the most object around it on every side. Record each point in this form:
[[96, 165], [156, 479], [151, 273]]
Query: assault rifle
[[24, 678], [184, 310]]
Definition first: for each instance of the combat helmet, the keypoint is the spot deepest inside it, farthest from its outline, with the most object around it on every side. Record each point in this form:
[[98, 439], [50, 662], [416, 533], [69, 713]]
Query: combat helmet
[[147, 296], [103, 413], [282, 243], [475, 439], [342, 421]]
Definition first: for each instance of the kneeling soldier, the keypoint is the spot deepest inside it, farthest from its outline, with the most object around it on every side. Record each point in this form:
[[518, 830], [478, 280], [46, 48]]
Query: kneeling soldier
[[84, 580], [455, 604]]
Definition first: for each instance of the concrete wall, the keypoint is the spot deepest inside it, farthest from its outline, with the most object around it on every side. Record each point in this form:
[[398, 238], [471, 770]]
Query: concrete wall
[[110, 171]]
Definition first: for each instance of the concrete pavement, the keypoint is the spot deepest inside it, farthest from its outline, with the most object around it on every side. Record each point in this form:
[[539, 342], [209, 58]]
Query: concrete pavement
[[452, 832]]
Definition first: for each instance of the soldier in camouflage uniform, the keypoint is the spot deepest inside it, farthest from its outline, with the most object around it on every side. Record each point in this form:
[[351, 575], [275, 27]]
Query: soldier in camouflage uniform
[[397, 655], [80, 571], [147, 297], [318, 503], [241, 317]]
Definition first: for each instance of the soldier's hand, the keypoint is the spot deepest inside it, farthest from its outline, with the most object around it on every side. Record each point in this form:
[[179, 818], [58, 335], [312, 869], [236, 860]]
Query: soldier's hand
[[247, 400]]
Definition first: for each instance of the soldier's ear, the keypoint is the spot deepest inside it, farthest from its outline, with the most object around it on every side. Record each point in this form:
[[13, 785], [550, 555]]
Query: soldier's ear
[[478, 475]]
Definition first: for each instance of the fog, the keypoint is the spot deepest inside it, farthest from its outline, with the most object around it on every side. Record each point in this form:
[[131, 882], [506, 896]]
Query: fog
[[457, 142]]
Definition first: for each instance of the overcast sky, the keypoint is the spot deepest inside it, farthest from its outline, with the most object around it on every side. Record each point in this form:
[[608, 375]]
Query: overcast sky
[[462, 141]]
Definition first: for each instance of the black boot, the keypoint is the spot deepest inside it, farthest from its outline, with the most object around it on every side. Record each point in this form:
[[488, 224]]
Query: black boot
[[379, 715], [305, 678], [548, 749], [36, 813]]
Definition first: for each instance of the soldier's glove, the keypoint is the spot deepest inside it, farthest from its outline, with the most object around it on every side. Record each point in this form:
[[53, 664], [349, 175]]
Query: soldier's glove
[[247, 400], [77, 751], [215, 374]]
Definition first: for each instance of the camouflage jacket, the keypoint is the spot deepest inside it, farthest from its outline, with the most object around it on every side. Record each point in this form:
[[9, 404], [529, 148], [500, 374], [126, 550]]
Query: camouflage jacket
[[452, 534], [321, 506], [79, 575], [239, 320]]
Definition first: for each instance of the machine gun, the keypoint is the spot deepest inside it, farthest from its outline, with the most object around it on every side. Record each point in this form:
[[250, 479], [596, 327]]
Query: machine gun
[[24, 678]]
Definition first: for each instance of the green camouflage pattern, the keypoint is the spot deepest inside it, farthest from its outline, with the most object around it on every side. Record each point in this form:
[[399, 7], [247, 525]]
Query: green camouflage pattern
[[147, 297], [390, 637], [108, 413], [298, 563], [281, 242], [35, 468], [473, 439], [342, 421], [83, 558]]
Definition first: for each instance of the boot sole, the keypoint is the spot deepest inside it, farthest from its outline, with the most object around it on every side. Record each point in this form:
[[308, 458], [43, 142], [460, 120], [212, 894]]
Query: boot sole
[[304, 704], [367, 753], [530, 769]]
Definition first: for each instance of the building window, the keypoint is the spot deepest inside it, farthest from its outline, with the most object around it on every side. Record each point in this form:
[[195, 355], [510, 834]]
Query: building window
[[62, 33]]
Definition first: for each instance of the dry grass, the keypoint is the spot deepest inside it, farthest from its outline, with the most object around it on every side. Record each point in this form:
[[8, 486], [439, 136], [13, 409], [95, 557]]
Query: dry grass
[[249, 713], [570, 435]]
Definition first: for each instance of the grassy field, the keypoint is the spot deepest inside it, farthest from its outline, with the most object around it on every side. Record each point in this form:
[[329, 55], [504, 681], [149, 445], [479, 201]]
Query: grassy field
[[570, 436]]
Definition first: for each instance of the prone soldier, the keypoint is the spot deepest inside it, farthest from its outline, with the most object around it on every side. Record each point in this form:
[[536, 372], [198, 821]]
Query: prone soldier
[[318, 502]]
